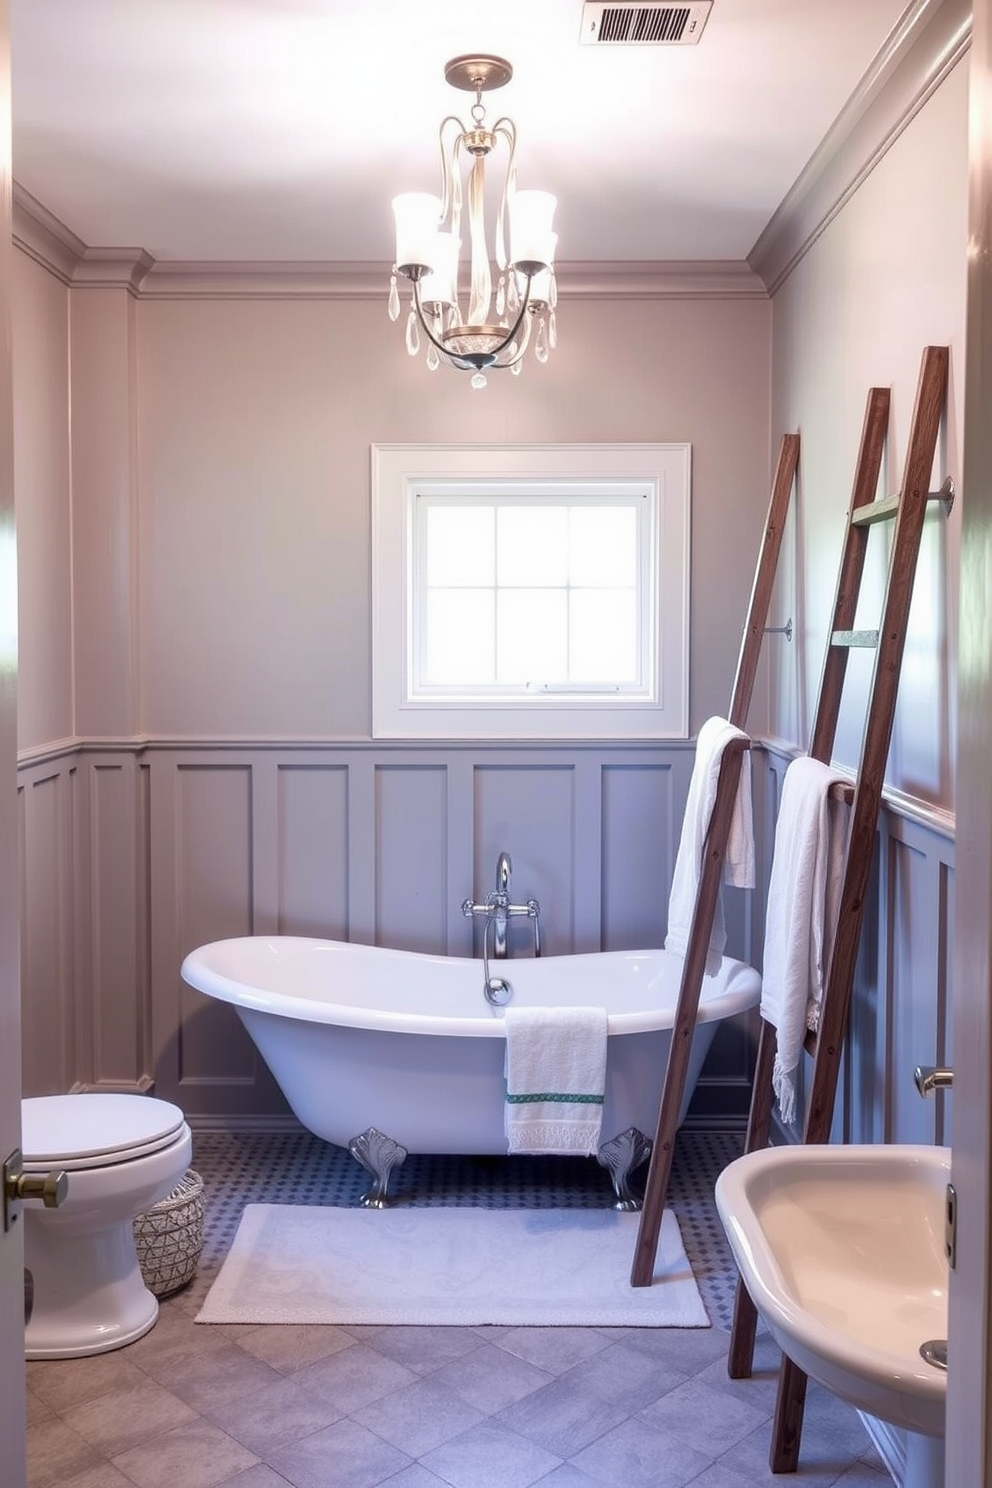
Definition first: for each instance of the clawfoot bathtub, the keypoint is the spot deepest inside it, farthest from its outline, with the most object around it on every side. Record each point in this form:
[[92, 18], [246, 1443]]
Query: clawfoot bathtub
[[362, 1037]]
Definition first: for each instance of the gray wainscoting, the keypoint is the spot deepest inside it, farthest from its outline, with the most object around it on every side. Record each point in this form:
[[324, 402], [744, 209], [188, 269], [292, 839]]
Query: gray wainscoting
[[901, 1007], [134, 854]]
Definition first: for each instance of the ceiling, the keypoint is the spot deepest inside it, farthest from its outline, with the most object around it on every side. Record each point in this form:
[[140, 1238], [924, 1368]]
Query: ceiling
[[278, 130]]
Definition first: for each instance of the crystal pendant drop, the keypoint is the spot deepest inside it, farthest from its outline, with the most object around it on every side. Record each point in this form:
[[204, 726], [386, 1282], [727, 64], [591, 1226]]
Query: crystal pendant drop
[[541, 344], [394, 300], [478, 380], [501, 295], [513, 295], [433, 360], [552, 331], [517, 367], [412, 333]]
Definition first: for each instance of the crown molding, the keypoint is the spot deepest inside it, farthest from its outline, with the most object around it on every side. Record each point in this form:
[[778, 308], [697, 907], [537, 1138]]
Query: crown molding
[[931, 38], [360, 281], [50, 243], [113, 268], [40, 234]]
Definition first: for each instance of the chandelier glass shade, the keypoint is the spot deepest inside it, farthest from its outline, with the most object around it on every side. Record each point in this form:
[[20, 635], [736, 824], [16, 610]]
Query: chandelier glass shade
[[512, 294]]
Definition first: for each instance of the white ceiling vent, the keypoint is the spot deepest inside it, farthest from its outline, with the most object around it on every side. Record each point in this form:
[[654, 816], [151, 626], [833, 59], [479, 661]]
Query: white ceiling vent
[[643, 22]]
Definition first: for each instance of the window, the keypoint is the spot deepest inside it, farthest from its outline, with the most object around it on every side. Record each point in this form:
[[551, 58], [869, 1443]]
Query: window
[[530, 591]]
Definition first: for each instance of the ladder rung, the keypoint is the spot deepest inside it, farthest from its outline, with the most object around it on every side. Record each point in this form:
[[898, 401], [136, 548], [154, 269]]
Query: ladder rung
[[887, 506], [841, 790], [882, 510], [854, 638]]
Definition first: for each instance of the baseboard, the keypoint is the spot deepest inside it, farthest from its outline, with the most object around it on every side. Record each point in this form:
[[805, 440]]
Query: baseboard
[[889, 1443], [286, 1123], [144, 1086]]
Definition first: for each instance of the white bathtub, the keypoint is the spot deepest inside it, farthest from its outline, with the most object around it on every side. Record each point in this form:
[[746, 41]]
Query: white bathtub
[[360, 1036]]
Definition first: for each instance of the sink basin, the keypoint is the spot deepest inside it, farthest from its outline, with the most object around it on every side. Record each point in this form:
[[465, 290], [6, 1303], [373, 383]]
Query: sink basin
[[842, 1251]]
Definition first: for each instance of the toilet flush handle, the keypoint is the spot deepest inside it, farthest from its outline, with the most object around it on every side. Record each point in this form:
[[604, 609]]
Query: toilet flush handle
[[51, 1188]]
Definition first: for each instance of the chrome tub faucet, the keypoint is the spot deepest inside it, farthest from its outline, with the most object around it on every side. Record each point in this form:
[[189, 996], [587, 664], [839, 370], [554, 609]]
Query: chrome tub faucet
[[929, 1077], [497, 911]]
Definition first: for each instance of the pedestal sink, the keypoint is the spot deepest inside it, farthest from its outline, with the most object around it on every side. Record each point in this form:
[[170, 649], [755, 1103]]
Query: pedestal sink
[[842, 1249]]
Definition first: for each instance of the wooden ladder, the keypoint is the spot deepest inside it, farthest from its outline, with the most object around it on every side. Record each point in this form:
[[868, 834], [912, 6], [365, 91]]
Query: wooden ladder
[[908, 510], [714, 851]]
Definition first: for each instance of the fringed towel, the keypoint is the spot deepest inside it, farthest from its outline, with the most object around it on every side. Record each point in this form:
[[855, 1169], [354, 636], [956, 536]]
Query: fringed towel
[[807, 865], [738, 867], [555, 1078]]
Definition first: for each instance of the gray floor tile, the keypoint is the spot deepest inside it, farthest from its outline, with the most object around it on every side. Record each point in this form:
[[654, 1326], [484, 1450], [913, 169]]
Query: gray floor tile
[[704, 1418], [562, 1417], [424, 1349], [103, 1476], [123, 1418], [341, 1456], [415, 1476], [62, 1383], [274, 1415], [635, 1455], [295, 1345], [554, 1349], [626, 1375], [569, 1476], [488, 1456], [491, 1378], [820, 1462], [55, 1452], [259, 1476], [354, 1377], [197, 1456], [419, 1417]]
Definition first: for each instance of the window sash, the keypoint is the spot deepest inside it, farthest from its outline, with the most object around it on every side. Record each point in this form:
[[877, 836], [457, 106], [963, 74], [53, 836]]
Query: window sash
[[485, 583]]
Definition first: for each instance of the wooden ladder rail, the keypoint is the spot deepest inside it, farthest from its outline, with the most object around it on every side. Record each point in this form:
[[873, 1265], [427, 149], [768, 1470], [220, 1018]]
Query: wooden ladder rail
[[711, 872], [908, 512]]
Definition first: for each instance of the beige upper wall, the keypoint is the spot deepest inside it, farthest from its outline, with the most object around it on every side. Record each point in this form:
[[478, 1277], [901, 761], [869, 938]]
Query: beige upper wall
[[40, 305], [255, 421], [884, 279]]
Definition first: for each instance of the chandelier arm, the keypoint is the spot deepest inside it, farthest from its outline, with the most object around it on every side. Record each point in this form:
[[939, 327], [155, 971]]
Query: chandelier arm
[[449, 176], [481, 283], [522, 348], [507, 129], [462, 361], [424, 323]]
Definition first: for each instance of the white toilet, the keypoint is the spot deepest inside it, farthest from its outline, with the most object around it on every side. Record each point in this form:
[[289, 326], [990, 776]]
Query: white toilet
[[121, 1153]]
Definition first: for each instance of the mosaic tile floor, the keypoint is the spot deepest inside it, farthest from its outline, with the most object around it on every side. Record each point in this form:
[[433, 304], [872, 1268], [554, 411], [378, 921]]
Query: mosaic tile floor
[[297, 1168], [224, 1406]]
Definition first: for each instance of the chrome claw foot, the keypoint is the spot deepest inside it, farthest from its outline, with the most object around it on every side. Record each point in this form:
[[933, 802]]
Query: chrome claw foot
[[620, 1156], [379, 1155]]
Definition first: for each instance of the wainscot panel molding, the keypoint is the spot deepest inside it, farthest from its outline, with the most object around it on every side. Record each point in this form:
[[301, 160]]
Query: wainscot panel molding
[[901, 1003], [137, 851]]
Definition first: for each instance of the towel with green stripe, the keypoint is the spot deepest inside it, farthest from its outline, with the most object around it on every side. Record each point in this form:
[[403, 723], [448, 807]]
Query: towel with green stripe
[[555, 1078]]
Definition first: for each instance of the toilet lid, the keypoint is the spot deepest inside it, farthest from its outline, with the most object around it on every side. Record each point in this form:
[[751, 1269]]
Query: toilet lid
[[94, 1129]]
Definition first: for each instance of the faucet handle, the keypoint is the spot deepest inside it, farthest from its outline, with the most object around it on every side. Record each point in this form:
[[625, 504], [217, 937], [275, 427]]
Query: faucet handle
[[930, 1077]]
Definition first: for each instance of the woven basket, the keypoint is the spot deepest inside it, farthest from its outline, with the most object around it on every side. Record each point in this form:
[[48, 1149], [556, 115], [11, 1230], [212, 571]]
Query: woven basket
[[169, 1237]]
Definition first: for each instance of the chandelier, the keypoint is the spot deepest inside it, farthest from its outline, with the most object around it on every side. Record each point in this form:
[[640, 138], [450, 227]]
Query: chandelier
[[497, 329]]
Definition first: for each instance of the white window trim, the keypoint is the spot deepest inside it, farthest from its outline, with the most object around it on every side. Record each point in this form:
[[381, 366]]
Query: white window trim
[[397, 469]]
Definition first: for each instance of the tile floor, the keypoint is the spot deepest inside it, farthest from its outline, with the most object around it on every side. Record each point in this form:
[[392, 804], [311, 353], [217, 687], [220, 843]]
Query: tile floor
[[197, 1406]]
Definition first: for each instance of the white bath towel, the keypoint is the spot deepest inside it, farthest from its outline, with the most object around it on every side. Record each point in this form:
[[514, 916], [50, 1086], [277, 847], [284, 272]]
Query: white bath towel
[[555, 1078], [738, 867], [807, 867]]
